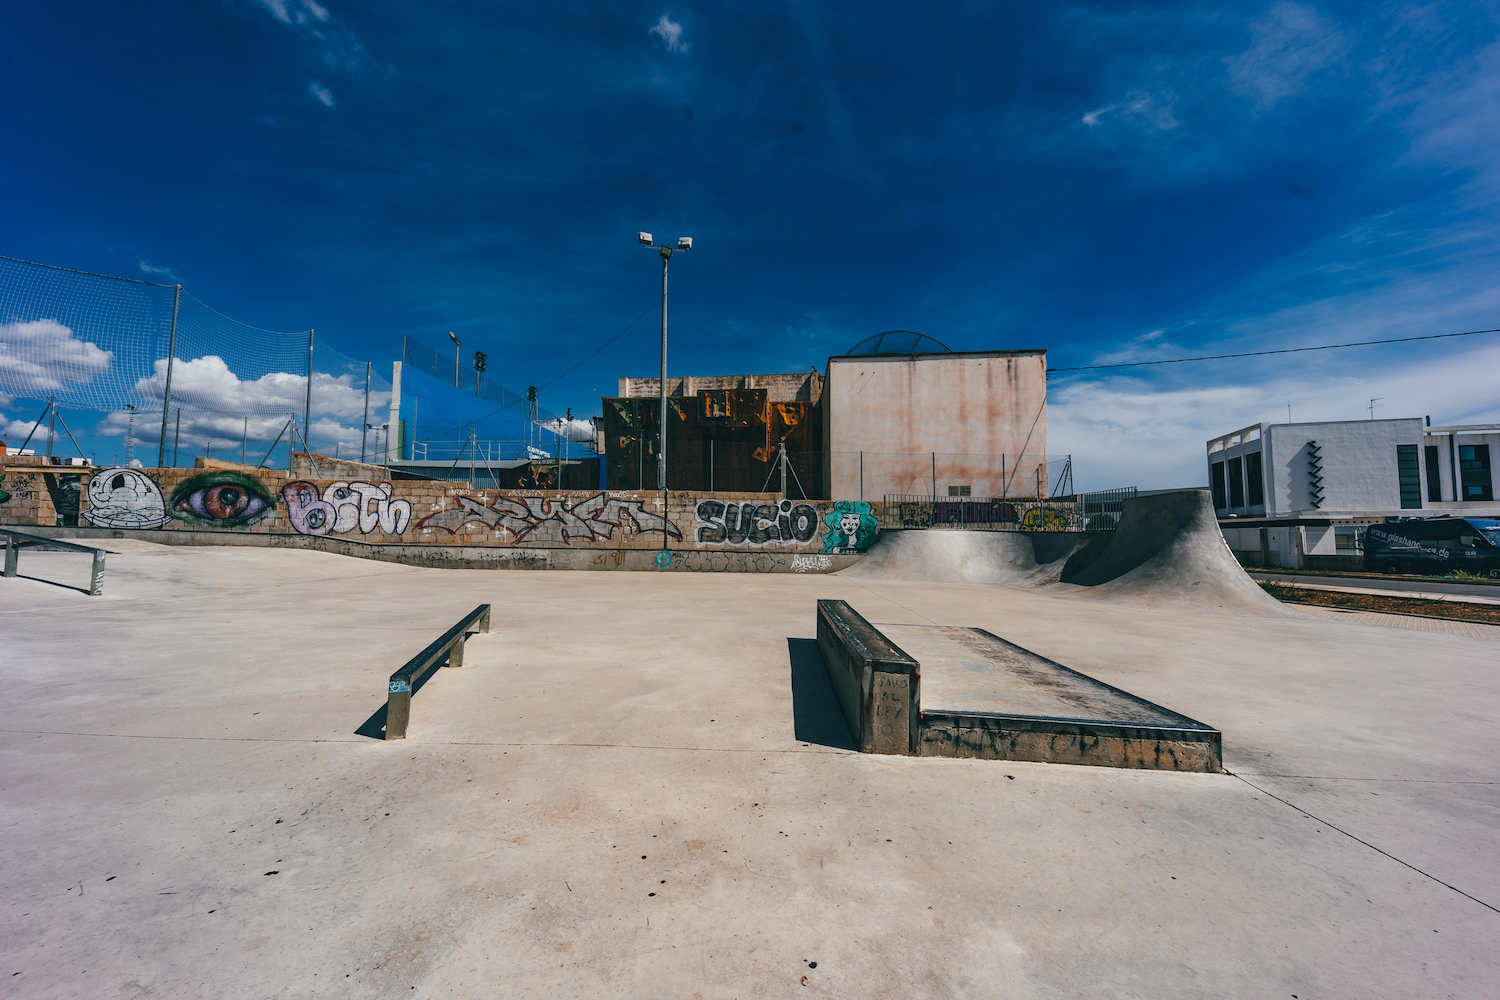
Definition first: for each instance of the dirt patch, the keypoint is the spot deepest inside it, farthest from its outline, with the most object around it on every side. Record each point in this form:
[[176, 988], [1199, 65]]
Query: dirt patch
[[1292, 594]]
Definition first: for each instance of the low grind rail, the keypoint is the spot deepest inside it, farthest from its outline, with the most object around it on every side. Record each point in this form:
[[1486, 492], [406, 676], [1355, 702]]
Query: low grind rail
[[449, 647], [15, 541]]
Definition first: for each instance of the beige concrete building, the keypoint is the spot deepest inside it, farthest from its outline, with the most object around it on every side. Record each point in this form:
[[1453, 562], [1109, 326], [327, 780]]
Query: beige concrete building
[[956, 423]]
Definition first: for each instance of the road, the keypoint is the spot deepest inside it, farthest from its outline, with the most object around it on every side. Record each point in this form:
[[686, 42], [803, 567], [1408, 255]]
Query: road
[[1402, 583]]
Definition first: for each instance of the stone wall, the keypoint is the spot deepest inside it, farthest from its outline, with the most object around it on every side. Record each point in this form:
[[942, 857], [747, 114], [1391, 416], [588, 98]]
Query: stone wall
[[427, 513]]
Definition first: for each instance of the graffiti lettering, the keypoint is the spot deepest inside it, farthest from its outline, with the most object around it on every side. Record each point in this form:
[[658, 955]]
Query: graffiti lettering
[[344, 506], [818, 563], [24, 488], [756, 523], [536, 520]]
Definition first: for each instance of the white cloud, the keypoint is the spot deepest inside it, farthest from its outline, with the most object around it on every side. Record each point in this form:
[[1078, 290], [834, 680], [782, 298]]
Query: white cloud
[[219, 409], [1288, 46], [42, 356], [321, 93], [1129, 430], [337, 45], [670, 32], [14, 432], [572, 430], [1140, 109], [150, 268]]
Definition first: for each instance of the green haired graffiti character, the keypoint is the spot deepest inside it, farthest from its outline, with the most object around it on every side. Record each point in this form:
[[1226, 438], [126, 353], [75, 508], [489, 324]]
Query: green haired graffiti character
[[851, 527], [4, 496]]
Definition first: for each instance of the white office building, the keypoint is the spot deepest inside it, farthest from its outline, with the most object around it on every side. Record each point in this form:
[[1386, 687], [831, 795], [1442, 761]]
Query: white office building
[[1300, 494]]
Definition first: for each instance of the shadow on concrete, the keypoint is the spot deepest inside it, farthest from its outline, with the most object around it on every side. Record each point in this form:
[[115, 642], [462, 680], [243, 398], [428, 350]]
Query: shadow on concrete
[[374, 726], [65, 586], [816, 717]]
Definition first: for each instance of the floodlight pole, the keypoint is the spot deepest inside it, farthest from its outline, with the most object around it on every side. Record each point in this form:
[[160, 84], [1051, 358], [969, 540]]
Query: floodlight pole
[[166, 401], [684, 244], [307, 403]]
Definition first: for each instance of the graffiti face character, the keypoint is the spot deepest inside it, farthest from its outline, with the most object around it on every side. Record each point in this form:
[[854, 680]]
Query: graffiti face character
[[221, 499], [849, 527], [852, 526], [125, 498]]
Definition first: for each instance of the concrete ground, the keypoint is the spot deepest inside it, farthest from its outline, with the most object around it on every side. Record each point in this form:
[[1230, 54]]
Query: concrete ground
[[637, 787]]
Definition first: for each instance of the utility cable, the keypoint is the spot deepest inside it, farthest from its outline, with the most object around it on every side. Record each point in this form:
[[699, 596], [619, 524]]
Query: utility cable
[[611, 340], [1256, 354]]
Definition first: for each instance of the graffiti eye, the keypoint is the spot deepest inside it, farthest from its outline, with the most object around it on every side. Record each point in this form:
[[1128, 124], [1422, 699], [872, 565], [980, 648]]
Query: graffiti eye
[[223, 499]]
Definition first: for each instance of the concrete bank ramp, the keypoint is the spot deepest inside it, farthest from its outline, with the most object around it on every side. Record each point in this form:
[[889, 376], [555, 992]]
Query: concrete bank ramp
[[1009, 558], [1168, 549]]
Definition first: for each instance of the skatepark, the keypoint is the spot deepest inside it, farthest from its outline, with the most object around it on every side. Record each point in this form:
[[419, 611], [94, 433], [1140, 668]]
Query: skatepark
[[645, 784]]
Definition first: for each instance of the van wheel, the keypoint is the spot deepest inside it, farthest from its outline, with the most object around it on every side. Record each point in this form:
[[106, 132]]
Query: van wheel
[[1492, 571], [1390, 569]]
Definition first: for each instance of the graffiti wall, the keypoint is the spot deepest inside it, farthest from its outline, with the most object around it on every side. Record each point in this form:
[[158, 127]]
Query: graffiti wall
[[411, 512]]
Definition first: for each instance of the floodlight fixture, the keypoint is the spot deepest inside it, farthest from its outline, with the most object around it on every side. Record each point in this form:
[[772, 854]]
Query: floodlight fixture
[[684, 243], [643, 238]]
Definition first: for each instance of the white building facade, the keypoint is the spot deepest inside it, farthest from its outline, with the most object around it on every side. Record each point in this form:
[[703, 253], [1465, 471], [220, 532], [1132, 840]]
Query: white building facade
[[1300, 494]]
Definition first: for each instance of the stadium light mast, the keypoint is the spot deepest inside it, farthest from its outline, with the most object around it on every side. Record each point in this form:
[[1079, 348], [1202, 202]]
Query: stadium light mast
[[456, 369], [684, 244]]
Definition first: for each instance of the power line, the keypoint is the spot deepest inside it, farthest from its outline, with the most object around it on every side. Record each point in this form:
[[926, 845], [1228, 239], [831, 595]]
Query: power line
[[611, 340], [1256, 354]]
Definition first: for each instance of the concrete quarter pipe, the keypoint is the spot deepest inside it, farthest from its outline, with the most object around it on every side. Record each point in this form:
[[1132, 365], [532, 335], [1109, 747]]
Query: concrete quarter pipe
[[1167, 549]]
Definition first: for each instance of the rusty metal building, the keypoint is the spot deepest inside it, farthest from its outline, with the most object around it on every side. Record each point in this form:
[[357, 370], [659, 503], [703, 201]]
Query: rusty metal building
[[898, 414], [724, 433]]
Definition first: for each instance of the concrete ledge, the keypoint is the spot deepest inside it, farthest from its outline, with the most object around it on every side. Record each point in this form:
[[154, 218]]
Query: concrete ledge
[[877, 685], [494, 557], [999, 737], [994, 701]]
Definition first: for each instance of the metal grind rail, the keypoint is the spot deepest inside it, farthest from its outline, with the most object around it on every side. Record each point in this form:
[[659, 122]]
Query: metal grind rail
[[15, 541], [449, 647]]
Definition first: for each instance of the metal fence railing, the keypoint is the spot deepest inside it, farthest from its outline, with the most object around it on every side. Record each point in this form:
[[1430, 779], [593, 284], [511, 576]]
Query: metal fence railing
[[1102, 508], [983, 513]]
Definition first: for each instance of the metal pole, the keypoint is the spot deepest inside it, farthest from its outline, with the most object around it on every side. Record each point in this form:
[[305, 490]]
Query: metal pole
[[861, 475], [364, 435], [244, 439], [96, 578], [783, 470], [166, 399], [291, 441], [934, 475], [661, 458], [51, 422], [176, 437], [307, 406]]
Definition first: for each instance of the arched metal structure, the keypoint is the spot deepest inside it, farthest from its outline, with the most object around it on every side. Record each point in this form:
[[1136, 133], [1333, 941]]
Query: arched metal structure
[[898, 342]]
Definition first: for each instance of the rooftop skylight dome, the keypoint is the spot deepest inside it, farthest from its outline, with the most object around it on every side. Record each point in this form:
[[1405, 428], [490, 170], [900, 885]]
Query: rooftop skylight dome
[[898, 342]]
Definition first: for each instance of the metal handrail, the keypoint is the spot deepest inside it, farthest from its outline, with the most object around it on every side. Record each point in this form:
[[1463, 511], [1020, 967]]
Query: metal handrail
[[402, 683], [15, 541]]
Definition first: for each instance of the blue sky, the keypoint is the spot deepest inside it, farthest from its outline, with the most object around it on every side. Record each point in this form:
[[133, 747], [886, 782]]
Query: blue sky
[[1109, 182]]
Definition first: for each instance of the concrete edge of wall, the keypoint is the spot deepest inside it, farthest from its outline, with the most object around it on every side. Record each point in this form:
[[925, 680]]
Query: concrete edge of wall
[[878, 686], [491, 557], [994, 737]]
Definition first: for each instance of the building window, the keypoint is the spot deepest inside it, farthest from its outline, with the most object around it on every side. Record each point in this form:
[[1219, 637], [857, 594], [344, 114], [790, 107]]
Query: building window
[[1216, 482], [1236, 484], [1256, 482], [1409, 473], [1434, 475], [1474, 470], [958, 491]]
